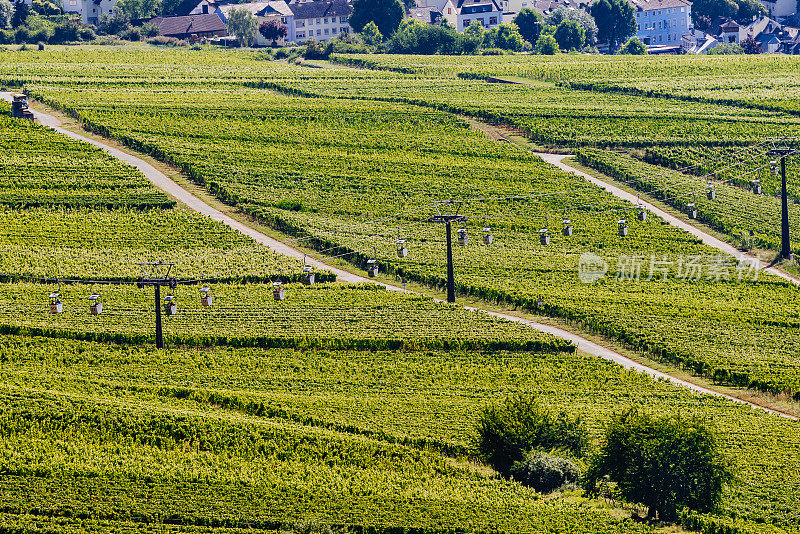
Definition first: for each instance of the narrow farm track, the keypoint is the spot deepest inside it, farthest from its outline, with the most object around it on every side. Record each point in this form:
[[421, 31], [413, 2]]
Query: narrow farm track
[[558, 161], [173, 189]]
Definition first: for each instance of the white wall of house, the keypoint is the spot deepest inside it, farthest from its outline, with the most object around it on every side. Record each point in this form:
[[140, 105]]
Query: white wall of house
[[202, 8], [663, 26], [321, 29], [92, 12], [488, 14]]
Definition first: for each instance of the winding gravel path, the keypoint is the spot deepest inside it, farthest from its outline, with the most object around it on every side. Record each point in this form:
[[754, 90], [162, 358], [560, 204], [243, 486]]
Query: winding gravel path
[[164, 183], [558, 161]]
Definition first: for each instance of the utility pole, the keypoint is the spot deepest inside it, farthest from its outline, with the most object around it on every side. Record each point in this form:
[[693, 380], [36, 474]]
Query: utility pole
[[783, 152], [448, 220], [150, 277]]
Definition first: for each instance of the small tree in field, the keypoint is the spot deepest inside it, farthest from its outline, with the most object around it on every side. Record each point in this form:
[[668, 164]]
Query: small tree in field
[[665, 463], [272, 30], [506, 433], [242, 24]]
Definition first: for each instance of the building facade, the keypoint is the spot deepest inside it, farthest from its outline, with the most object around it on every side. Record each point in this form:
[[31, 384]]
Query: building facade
[[90, 11], [662, 22], [321, 20]]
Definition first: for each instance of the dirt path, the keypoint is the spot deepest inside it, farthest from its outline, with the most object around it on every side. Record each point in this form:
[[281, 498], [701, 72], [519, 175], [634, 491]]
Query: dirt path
[[167, 185]]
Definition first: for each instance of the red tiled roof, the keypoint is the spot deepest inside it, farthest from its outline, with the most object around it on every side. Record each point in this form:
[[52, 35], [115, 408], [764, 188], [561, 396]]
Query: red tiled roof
[[189, 24]]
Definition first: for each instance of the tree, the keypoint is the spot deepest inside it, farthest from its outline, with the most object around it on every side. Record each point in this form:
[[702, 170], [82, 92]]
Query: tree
[[242, 24], [633, 47], [371, 34], [569, 35], [6, 14], [386, 14], [507, 37], [139, 9], [750, 46], [726, 50], [712, 9], [508, 431], [21, 12], [546, 45], [272, 30], [666, 463], [580, 16], [415, 37], [615, 21], [529, 23], [747, 9]]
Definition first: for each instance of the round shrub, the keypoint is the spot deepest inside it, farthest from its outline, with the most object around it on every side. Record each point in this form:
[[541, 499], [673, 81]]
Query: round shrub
[[545, 473]]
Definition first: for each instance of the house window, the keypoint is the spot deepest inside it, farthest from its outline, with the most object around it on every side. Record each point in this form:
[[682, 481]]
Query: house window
[[492, 20], [344, 30], [449, 10], [326, 31], [466, 22], [205, 10], [333, 31], [300, 24], [638, 27], [319, 32], [480, 21], [342, 19], [318, 20], [325, 21]]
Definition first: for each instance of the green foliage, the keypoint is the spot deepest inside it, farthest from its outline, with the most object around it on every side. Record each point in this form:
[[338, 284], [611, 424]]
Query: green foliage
[[633, 47], [529, 23], [139, 9], [664, 462], [561, 13], [243, 25], [545, 473], [6, 14], [21, 13], [386, 14], [506, 432], [729, 49], [546, 45], [507, 37], [371, 34], [569, 35], [615, 21], [45, 8]]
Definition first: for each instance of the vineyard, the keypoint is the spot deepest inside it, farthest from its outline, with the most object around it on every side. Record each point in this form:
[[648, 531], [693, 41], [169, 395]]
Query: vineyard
[[349, 405], [735, 210], [272, 437], [294, 162]]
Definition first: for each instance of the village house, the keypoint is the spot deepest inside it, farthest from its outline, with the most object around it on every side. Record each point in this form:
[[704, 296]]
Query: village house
[[460, 13], [662, 22], [323, 20], [263, 11], [90, 11], [202, 26]]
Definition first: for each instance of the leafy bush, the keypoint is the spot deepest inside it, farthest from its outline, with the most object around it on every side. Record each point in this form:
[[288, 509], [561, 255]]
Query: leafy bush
[[66, 32], [508, 431], [544, 472], [546, 45], [87, 34], [729, 49], [282, 53], [163, 40], [634, 47], [665, 463], [149, 30]]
